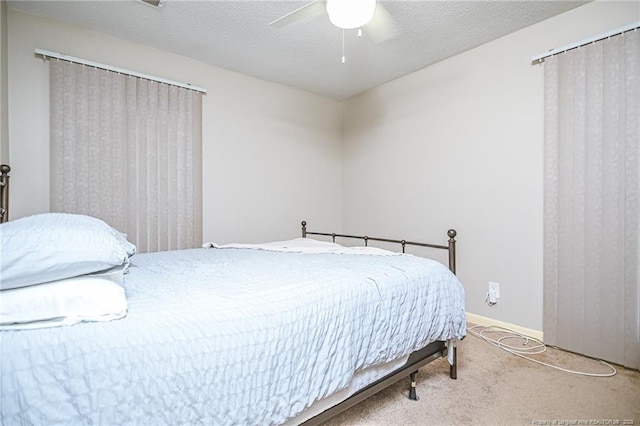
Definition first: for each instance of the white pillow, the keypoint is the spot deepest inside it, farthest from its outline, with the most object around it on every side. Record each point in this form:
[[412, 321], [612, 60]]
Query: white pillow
[[64, 302], [128, 247], [54, 246]]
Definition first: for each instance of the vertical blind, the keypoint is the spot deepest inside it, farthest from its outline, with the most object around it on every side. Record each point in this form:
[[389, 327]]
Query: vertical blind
[[127, 150], [592, 191]]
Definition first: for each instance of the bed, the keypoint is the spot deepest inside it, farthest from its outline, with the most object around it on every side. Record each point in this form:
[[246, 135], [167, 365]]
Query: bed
[[287, 332]]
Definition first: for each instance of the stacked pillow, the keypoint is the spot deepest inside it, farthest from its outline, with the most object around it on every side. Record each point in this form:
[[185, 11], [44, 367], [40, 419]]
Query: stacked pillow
[[60, 269]]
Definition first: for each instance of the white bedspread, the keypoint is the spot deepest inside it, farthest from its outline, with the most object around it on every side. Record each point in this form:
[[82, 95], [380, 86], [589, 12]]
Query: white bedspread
[[229, 337], [306, 245]]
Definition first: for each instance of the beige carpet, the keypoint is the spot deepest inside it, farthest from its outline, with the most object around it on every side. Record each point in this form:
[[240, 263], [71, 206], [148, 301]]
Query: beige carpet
[[497, 388]]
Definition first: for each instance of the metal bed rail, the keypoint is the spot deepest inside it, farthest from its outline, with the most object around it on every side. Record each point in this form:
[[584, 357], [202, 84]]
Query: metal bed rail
[[450, 247]]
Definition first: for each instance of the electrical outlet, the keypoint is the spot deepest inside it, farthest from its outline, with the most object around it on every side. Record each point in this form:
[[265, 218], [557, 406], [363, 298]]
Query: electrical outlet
[[494, 292]]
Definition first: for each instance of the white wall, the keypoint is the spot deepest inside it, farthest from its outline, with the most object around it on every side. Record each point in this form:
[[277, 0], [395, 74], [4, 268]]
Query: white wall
[[460, 144], [271, 154]]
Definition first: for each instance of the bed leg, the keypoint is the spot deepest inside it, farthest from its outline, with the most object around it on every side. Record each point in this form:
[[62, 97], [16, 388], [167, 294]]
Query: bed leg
[[412, 390], [452, 356], [453, 369]]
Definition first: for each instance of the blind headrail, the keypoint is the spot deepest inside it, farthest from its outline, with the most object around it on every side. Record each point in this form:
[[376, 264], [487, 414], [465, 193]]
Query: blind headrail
[[48, 54], [541, 57]]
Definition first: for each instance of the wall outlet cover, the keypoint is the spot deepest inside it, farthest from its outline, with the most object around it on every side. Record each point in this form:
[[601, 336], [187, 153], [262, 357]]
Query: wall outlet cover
[[494, 288]]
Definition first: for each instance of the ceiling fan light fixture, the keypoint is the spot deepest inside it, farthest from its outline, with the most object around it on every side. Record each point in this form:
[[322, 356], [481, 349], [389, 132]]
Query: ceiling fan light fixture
[[349, 14]]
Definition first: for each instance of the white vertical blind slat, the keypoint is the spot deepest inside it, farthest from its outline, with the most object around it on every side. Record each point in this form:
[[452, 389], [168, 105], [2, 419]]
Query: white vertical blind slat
[[163, 166], [172, 187], [82, 167], [56, 129], [181, 157], [117, 164], [152, 160], [551, 205], [196, 211], [131, 186], [594, 202], [142, 165], [632, 198], [91, 131]]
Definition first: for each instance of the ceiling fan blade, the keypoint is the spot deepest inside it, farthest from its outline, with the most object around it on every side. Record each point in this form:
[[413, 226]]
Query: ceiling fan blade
[[155, 3], [315, 8], [382, 27]]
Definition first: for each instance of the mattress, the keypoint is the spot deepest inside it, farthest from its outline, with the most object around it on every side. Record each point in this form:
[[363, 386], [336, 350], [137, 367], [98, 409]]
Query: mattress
[[230, 336]]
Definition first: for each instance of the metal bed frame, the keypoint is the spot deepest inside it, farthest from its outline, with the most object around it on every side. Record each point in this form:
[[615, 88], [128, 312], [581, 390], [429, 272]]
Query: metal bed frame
[[417, 359]]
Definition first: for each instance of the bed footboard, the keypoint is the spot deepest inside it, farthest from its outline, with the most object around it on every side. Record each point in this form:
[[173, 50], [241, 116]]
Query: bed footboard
[[418, 358], [450, 247]]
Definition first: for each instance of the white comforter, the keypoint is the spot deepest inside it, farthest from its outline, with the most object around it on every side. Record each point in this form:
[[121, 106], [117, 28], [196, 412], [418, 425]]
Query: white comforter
[[229, 337]]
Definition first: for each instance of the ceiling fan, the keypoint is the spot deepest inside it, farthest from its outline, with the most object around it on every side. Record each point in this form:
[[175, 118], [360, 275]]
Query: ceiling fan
[[368, 15]]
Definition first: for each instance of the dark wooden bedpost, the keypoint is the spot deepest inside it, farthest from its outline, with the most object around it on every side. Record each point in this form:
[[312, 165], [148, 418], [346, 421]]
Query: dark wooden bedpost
[[4, 189], [304, 229], [452, 249]]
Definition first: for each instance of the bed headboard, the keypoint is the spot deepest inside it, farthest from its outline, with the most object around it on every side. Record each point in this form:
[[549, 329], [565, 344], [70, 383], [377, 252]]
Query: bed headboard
[[4, 192], [451, 247]]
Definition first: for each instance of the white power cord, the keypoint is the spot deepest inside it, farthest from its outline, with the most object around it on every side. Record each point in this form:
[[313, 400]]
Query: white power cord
[[523, 349]]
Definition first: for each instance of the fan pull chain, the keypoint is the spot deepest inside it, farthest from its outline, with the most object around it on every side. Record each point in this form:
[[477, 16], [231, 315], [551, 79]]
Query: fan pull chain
[[343, 57]]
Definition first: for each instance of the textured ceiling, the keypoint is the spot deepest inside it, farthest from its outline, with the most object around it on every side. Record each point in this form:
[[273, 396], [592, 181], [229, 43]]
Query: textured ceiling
[[305, 54]]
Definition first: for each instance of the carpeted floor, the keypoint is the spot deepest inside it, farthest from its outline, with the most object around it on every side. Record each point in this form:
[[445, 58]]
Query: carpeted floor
[[498, 388]]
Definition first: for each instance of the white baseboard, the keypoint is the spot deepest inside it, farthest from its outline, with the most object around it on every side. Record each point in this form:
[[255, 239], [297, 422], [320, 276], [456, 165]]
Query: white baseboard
[[480, 320]]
